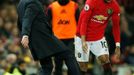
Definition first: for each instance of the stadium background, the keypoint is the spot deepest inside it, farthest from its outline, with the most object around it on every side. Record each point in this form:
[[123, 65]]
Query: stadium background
[[11, 51]]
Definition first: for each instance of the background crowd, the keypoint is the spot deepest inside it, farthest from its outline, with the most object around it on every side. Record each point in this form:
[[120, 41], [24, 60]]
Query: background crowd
[[12, 54]]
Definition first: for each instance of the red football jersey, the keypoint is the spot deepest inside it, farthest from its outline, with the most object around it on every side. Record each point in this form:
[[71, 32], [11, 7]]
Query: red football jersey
[[94, 19]]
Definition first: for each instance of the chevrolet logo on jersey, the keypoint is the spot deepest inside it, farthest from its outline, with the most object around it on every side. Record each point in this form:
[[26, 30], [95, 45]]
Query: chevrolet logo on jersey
[[100, 17]]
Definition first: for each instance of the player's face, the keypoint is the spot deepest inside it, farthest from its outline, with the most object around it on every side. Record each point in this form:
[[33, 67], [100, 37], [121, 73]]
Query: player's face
[[108, 1]]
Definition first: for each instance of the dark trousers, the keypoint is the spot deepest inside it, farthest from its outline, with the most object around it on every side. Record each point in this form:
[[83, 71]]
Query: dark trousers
[[70, 61], [59, 61]]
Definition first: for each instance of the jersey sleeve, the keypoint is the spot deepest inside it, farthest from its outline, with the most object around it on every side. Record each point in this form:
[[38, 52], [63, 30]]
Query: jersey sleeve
[[116, 24], [86, 13]]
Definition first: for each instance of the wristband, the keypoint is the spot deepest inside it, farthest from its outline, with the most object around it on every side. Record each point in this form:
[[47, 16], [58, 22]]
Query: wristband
[[117, 44], [25, 36]]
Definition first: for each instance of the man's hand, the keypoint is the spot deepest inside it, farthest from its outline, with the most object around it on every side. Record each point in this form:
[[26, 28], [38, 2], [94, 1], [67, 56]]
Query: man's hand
[[117, 52], [84, 47], [25, 41]]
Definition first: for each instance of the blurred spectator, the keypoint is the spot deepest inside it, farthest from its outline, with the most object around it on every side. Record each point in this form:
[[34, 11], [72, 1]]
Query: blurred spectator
[[130, 56], [3, 51], [10, 48], [11, 58], [19, 69], [128, 5]]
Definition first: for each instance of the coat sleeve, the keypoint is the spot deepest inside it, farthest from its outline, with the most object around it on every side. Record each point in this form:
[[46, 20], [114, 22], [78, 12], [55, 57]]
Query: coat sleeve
[[31, 12]]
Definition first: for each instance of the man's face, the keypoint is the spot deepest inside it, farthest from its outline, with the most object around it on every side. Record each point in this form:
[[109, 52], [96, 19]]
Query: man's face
[[108, 1]]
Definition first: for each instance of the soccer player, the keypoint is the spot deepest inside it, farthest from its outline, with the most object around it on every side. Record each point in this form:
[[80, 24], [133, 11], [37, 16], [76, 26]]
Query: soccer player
[[64, 27], [37, 35], [91, 28]]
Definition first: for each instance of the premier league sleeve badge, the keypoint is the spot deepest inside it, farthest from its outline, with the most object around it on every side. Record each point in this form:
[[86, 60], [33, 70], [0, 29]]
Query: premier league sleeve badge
[[86, 7]]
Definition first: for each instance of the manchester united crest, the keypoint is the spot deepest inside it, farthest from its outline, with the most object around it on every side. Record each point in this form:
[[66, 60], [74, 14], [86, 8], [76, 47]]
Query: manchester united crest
[[110, 11]]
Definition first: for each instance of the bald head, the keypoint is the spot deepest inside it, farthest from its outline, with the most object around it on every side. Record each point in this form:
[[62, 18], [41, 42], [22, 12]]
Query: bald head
[[11, 58]]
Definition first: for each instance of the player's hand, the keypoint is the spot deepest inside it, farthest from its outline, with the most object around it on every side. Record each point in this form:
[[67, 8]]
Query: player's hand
[[84, 47], [117, 52], [25, 41]]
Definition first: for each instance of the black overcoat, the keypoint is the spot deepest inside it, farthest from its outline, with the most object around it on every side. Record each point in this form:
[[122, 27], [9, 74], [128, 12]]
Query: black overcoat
[[33, 22]]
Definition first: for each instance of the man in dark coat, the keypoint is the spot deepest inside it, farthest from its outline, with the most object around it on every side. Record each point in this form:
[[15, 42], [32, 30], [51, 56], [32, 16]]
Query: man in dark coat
[[37, 35]]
